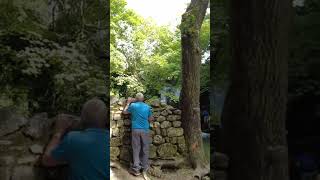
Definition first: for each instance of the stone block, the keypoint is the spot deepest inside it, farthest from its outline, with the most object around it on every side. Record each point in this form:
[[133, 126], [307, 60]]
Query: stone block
[[126, 153], [165, 124], [174, 132], [167, 150], [39, 125], [157, 139], [161, 118], [120, 123], [36, 149], [114, 152], [164, 113], [152, 151], [164, 132], [177, 112], [10, 121], [176, 123], [115, 141], [28, 159]]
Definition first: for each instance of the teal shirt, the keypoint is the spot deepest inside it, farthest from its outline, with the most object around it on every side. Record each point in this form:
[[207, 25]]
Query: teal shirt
[[140, 113], [87, 153]]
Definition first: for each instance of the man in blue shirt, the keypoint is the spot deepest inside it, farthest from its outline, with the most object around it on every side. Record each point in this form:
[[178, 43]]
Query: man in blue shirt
[[141, 115], [86, 152]]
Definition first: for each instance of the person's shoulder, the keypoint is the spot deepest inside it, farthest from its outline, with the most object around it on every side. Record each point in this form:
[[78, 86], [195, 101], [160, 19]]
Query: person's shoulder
[[147, 105]]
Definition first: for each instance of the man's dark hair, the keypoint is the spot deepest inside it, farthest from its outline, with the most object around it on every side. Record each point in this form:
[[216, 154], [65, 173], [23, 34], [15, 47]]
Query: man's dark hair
[[94, 114]]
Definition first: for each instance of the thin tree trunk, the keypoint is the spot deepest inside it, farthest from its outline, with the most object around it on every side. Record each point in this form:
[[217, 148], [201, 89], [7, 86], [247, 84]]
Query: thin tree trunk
[[254, 113], [191, 58]]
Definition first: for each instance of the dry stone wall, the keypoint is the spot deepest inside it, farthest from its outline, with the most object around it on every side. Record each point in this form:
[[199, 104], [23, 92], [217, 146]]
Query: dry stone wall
[[166, 134], [22, 142]]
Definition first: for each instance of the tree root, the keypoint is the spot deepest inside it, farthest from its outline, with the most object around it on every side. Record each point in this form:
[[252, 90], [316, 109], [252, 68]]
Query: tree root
[[173, 163], [201, 172]]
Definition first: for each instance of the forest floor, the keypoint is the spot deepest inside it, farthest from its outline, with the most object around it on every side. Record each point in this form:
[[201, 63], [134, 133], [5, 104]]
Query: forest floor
[[122, 173]]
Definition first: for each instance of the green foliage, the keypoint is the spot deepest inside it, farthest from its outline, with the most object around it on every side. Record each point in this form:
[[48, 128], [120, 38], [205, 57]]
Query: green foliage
[[144, 56], [47, 67]]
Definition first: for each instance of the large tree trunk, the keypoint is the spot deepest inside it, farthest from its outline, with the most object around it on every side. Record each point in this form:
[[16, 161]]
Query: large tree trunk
[[191, 58], [253, 118]]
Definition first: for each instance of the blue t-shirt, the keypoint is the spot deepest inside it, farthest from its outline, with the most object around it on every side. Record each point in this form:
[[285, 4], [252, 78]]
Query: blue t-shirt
[[86, 152], [140, 112]]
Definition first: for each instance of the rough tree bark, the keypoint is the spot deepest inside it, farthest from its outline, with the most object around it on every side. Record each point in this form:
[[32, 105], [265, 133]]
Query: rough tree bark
[[191, 58], [253, 119]]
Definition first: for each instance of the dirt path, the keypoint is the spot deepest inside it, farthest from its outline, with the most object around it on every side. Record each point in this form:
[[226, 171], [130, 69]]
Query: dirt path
[[121, 173]]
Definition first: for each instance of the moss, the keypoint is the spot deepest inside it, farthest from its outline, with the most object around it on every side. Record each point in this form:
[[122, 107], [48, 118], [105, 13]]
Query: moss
[[188, 24]]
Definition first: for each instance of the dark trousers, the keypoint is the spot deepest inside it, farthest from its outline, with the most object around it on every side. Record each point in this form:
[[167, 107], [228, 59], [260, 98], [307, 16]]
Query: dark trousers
[[140, 147]]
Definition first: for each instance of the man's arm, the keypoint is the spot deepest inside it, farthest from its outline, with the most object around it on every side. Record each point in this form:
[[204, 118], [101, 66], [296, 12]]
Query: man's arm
[[47, 159], [125, 110], [61, 127]]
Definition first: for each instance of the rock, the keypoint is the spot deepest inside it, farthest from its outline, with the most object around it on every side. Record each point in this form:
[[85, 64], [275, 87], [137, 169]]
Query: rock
[[5, 173], [5, 142], [173, 140], [115, 132], [23, 173], [152, 133], [38, 126], [173, 132], [176, 123], [114, 152], [29, 159], [116, 117], [173, 117], [113, 124], [155, 103], [125, 153], [126, 140], [177, 112], [163, 104], [164, 113], [167, 150], [157, 139], [120, 123], [181, 140], [155, 171], [158, 131], [121, 101], [167, 139], [170, 108], [152, 151], [164, 132], [36, 149], [115, 141], [220, 160], [6, 160], [10, 121], [122, 132], [127, 122], [182, 148], [156, 114], [161, 118], [165, 124], [16, 148], [113, 99]]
